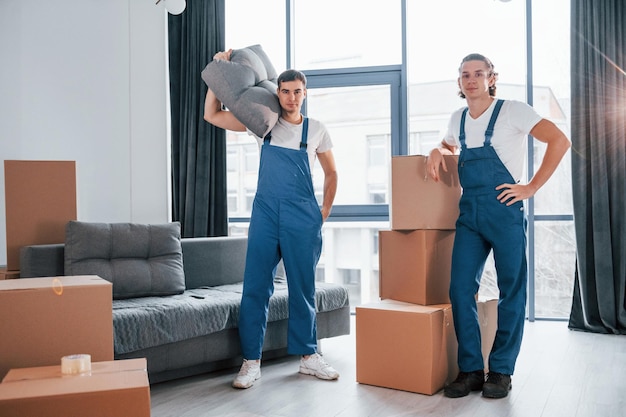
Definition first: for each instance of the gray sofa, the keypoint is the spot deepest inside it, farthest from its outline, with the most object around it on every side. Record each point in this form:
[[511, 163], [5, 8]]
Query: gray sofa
[[176, 301]]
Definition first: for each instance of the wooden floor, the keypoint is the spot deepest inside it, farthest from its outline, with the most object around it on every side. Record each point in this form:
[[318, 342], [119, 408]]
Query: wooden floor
[[559, 373]]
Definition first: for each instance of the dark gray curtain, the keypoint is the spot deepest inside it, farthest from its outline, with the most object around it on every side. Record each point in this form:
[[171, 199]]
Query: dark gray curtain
[[599, 164], [198, 148]]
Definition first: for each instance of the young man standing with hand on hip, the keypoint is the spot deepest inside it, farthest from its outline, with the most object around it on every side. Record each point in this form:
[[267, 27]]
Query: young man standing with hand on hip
[[286, 223], [492, 137]]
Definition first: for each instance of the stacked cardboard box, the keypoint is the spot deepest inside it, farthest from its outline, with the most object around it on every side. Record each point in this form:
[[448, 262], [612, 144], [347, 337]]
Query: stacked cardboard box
[[406, 341], [40, 199], [44, 319], [6, 274], [111, 389]]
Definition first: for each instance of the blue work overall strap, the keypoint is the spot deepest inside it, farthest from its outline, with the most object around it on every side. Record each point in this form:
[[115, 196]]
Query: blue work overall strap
[[305, 134], [490, 126]]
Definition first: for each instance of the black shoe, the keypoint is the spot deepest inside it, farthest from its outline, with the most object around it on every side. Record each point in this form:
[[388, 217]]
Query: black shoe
[[497, 385], [464, 383]]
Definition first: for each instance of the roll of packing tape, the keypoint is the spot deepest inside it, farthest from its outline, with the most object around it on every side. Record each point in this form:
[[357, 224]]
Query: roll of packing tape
[[75, 364]]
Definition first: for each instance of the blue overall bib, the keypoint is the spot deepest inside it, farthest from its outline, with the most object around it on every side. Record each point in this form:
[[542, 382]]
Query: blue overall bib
[[485, 224], [286, 223]]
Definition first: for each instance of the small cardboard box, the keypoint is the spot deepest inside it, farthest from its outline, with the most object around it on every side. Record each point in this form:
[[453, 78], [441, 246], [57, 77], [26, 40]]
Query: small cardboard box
[[415, 265], [488, 319], [417, 201], [111, 389], [40, 198], [44, 319], [405, 346]]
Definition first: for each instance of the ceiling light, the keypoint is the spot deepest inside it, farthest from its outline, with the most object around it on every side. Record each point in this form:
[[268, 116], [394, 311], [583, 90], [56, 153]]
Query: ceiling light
[[174, 6]]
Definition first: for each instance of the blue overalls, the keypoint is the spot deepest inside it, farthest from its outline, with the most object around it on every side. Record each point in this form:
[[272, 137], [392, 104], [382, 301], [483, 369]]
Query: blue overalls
[[485, 224], [286, 222]]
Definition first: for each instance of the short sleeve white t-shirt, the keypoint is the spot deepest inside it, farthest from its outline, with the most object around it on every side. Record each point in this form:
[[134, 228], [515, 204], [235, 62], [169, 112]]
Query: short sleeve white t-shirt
[[510, 135], [289, 135]]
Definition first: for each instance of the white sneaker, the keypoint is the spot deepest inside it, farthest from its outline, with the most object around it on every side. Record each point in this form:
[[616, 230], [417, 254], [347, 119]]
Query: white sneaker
[[316, 365], [250, 371]]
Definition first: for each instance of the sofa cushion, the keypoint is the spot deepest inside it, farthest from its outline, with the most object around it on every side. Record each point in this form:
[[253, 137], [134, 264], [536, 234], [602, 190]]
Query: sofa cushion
[[139, 259], [142, 323], [246, 85]]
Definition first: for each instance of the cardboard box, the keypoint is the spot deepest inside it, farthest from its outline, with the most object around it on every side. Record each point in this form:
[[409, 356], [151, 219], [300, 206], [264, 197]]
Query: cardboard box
[[405, 346], [112, 389], [6, 274], [44, 319], [488, 319], [40, 198], [417, 201], [415, 265]]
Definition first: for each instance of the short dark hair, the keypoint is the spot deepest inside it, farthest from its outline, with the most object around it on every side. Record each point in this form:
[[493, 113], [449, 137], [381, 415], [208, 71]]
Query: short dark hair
[[487, 61], [291, 75]]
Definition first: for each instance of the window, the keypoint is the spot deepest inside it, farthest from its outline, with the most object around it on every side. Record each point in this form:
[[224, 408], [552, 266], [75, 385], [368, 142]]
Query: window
[[250, 22], [370, 95], [232, 157], [377, 154], [251, 156], [346, 34], [421, 143]]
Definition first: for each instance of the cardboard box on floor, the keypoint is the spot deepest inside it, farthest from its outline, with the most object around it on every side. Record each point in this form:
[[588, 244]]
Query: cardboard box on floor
[[111, 389], [415, 265], [44, 319], [417, 201], [6, 274], [40, 198], [405, 346]]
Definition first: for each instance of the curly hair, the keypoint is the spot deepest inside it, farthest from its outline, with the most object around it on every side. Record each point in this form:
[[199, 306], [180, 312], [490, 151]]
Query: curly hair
[[492, 72]]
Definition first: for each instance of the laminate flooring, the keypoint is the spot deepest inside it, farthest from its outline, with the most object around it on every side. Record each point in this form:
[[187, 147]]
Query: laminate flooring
[[559, 373]]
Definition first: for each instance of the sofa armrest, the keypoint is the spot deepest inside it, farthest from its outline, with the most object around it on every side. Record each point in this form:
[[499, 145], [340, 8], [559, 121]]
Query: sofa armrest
[[42, 260], [210, 261]]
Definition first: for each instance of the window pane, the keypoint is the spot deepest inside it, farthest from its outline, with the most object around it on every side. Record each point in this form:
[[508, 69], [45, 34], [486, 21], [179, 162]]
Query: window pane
[[433, 66], [346, 33], [555, 197], [555, 260], [353, 117], [498, 32], [242, 172], [251, 22], [350, 257], [551, 62]]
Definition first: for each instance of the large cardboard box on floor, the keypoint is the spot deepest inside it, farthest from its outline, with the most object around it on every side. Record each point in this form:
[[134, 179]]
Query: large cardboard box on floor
[[405, 346], [415, 265], [111, 389], [417, 201], [40, 198], [44, 319], [6, 274]]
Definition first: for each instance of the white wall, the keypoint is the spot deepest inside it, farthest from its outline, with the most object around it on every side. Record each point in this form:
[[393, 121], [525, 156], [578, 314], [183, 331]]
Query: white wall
[[84, 80]]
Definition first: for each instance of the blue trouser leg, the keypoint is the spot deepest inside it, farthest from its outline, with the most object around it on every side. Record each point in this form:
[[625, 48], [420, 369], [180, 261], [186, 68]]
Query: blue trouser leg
[[301, 243], [469, 254], [261, 259], [511, 267], [503, 229]]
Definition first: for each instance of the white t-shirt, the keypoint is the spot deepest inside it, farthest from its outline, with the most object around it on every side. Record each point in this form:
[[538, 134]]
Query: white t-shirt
[[510, 134], [289, 135]]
